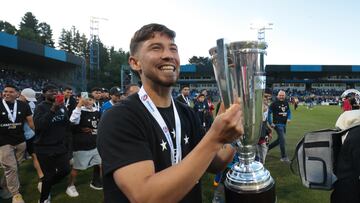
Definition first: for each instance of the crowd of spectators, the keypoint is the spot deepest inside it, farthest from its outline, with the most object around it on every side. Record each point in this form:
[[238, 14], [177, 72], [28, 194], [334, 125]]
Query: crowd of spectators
[[22, 79], [316, 96]]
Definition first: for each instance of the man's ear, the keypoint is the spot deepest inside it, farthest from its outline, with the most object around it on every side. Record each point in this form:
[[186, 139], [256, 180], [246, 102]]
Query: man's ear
[[134, 63]]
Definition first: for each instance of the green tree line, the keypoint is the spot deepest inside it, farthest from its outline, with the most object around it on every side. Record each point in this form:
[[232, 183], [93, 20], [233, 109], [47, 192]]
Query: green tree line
[[73, 41]]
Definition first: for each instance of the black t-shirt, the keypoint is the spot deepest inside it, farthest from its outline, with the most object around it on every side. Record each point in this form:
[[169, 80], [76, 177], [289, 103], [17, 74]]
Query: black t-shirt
[[86, 140], [280, 111], [128, 133], [13, 133]]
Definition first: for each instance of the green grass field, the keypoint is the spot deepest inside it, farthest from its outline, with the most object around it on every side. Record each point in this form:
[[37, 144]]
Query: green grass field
[[288, 186]]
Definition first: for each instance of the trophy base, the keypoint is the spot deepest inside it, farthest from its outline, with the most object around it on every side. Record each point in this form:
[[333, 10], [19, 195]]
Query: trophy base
[[267, 196]]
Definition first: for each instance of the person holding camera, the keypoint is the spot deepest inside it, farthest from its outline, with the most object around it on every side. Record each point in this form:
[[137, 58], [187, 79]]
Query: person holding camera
[[52, 128], [85, 117]]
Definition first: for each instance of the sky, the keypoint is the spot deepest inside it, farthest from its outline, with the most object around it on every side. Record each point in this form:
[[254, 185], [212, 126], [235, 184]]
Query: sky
[[314, 32]]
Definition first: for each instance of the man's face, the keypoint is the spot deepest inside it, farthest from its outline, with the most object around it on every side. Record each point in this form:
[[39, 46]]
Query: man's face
[[185, 91], [201, 98], [105, 95], [67, 93], [115, 98], [157, 60], [10, 94], [51, 94], [96, 95], [88, 103], [281, 96]]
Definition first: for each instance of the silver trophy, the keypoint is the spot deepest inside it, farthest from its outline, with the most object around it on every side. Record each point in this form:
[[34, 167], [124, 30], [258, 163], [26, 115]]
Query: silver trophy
[[240, 74]]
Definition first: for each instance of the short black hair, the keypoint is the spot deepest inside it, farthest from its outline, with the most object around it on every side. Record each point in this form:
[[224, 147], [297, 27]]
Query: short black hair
[[49, 87], [67, 88], [146, 32], [183, 86], [11, 86], [96, 89]]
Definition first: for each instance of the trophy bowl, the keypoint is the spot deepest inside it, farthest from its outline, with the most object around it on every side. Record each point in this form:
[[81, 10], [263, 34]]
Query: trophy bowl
[[240, 74]]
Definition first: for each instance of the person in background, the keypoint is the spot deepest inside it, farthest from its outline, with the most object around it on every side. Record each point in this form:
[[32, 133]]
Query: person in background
[[201, 108], [104, 95], [96, 94], [184, 96], [28, 95], [13, 115], [279, 115], [52, 131], [85, 155], [116, 94], [70, 101], [346, 103], [266, 133]]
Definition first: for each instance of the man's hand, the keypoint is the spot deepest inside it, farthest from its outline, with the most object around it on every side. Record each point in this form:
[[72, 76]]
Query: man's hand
[[56, 106], [227, 126]]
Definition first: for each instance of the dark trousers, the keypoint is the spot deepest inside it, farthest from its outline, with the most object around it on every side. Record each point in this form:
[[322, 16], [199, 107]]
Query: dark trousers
[[55, 167]]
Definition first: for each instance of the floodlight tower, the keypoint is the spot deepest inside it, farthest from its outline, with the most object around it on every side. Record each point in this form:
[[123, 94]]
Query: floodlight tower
[[94, 44], [261, 27]]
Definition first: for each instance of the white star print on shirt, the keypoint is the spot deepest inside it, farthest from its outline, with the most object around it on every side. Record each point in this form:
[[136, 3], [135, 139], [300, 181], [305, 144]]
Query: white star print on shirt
[[163, 145], [186, 139]]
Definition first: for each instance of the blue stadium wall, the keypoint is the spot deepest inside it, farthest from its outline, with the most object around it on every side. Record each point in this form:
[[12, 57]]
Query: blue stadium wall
[[47, 54]]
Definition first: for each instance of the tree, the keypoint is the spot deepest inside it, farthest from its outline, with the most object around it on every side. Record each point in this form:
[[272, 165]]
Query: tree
[[45, 33], [76, 41], [200, 61], [29, 28], [7, 27], [65, 41]]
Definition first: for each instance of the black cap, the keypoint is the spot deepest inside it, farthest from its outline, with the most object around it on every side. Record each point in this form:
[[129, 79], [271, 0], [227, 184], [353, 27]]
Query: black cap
[[104, 90], [116, 91]]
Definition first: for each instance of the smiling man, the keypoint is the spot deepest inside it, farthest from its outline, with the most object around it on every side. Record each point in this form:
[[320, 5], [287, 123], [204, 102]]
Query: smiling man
[[150, 144], [13, 115]]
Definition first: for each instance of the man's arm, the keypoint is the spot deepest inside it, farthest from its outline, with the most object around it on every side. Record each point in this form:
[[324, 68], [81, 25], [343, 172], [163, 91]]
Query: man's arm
[[30, 122], [140, 183], [222, 158]]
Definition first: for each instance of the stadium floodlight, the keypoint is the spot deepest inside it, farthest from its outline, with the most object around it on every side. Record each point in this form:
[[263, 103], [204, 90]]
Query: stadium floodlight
[[261, 26]]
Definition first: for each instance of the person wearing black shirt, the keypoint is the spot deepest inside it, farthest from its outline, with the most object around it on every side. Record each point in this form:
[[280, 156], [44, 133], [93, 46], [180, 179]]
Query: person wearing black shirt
[[279, 115], [96, 94], [69, 100], [13, 115], [202, 110], [85, 118], [52, 127], [184, 96], [149, 143]]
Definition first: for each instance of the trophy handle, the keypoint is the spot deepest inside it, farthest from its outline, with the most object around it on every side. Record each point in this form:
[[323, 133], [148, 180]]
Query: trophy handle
[[222, 69]]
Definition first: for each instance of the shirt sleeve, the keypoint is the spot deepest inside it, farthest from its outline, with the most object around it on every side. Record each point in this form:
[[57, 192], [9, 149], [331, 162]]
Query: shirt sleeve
[[122, 138], [75, 116], [28, 111]]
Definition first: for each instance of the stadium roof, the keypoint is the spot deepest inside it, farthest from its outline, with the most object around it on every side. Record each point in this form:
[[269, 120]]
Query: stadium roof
[[16, 50]]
